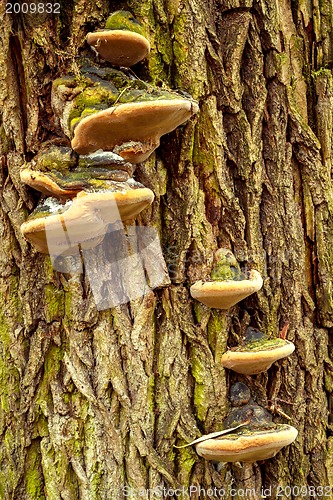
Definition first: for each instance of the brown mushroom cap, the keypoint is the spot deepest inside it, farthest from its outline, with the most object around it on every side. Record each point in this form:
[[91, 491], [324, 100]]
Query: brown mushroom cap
[[68, 186], [83, 221], [246, 445], [58, 171], [225, 294], [251, 362], [46, 185], [119, 47], [141, 122]]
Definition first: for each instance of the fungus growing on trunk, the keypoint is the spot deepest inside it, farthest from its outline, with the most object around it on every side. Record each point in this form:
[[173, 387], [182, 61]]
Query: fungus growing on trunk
[[228, 285], [259, 439], [257, 353], [104, 111], [108, 110], [245, 445], [136, 125], [54, 171], [60, 229], [122, 42]]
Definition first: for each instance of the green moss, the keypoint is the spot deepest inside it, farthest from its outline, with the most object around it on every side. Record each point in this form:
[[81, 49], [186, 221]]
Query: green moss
[[85, 177], [3, 481], [5, 143], [88, 112], [55, 158], [328, 378], [329, 460], [151, 394], [97, 474], [103, 88], [42, 428], [124, 20], [94, 99], [161, 57], [281, 58], [33, 474], [200, 390], [217, 330], [74, 122], [261, 345], [282, 66], [226, 267], [187, 460], [246, 431], [93, 96], [10, 444], [9, 378], [198, 310], [157, 70], [180, 45], [67, 81], [200, 401], [182, 57], [52, 366], [39, 214], [9, 375], [57, 470], [203, 156], [322, 72], [71, 181], [118, 81], [54, 303]]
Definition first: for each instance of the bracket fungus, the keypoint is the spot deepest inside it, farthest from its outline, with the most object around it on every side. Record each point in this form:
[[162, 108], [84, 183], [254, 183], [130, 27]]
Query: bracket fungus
[[106, 159], [111, 111], [57, 173], [228, 284], [112, 118], [259, 439], [257, 353], [122, 42], [58, 228], [138, 125]]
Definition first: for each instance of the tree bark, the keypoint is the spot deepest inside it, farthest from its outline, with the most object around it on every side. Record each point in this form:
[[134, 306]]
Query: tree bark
[[93, 401]]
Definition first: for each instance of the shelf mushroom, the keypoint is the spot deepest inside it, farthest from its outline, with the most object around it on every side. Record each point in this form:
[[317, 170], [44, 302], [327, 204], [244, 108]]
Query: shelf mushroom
[[133, 129], [228, 285], [110, 111], [113, 118], [60, 229], [122, 42], [256, 436], [57, 171], [257, 353]]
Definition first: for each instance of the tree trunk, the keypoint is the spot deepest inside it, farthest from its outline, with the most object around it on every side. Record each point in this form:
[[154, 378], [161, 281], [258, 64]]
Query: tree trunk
[[92, 401]]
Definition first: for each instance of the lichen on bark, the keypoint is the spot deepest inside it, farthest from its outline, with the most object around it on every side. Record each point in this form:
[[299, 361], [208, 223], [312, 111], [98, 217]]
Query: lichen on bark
[[95, 400]]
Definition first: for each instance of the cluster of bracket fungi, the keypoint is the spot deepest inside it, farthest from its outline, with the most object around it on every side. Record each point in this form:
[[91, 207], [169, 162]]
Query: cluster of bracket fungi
[[115, 121], [249, 433]]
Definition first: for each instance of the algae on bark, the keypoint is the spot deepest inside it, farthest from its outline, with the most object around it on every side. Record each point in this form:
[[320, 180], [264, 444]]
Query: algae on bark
[[94, 400]]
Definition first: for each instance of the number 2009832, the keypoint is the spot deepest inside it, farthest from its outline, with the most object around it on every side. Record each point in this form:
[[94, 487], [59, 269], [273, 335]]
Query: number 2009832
[[32, 8]]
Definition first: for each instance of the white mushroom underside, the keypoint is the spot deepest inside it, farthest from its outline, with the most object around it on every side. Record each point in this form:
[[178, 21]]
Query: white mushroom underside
[[252, 362], [120, 47], [225, 294], [260, 445], [85, 221], [143, 122]]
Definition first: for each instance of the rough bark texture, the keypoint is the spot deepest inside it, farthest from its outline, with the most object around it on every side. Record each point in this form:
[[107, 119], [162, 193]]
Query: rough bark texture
[[92, 401]]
